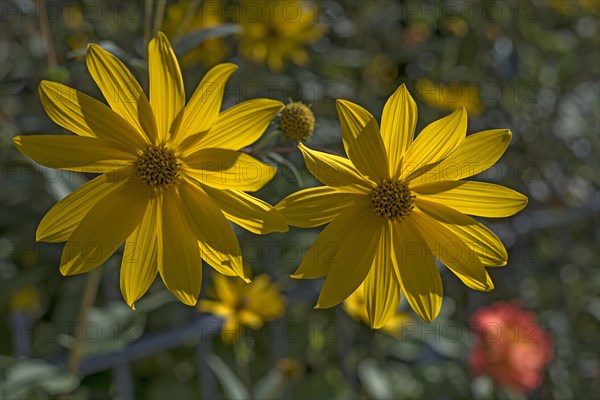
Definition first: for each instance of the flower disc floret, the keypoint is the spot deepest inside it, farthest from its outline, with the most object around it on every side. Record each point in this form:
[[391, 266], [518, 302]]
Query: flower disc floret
[[392, 200], [158, 167], [297, 121]]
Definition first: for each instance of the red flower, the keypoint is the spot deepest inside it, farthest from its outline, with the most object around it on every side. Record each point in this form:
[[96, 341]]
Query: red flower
[[510, 346]]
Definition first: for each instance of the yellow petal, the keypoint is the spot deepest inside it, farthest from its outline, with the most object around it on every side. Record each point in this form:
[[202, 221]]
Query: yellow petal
[[275, 61], [477, 153], [212, 254], [250, 319], [202, 111], [179, 261], [332, 170], [398, 124], [315, 206], [247, 211], [354, 305], [97, 237], [219, 245], [167, 95], [480, 239], [74, 153], [140, 256], [474, 198], [264, 298], [259, 286], [228, 169], [237, 127], [453, 252], [353, 255], [324, 251], [231, 331], [435, 142], [215, 307], [62, 219], [419, 277], [122, 92], [86, 116], [382, 287], [362, 140], [225, 288], [394, 325]]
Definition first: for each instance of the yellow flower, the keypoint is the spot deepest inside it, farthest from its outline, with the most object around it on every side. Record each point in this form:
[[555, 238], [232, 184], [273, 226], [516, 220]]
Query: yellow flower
[[450, 97], [356, 307], [170, 178], [181, 19], [240, 304], [275, 31], [397, 202]]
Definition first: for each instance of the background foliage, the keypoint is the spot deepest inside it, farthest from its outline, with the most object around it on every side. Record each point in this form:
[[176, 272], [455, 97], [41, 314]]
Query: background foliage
[[530, 66]]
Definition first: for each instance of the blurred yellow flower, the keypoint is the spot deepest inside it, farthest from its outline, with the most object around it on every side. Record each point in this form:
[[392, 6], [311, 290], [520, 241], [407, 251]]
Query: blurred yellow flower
[[457, 26], [171, 174], [450, 97], [79, 31], [590, 6], [395, 203], [73, 18], [278, 30], [356, 307], [575, 8], [381, 72], [184, 17], [243, 305], [291, 368], [25, 300]]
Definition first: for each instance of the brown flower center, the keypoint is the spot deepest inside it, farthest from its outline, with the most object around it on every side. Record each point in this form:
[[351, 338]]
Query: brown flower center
[[158, 167], [392, 200]]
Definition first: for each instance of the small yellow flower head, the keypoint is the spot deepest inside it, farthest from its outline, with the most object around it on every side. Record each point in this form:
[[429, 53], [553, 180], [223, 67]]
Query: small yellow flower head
[[297, 121]]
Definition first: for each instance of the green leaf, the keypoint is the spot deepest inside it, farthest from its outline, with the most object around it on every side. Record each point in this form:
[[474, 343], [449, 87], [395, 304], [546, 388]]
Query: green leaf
[[25, 375], [279, 159], [232, 385], [388, 381], [193, 39], [265, 140], [270, 386], [107, 45], [375, 380], [109, 328]]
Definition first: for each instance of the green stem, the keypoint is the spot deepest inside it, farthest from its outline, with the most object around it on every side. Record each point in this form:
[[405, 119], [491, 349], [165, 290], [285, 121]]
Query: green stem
[[285, 149], [147, 25], [89, 297], [47, 34], [159, 15], [242, 352]]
